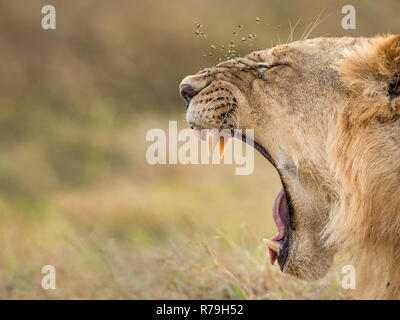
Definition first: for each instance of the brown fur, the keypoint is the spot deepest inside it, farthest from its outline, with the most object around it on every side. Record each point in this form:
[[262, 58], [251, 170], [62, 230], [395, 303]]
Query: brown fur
[[366, 158], [328, 114]]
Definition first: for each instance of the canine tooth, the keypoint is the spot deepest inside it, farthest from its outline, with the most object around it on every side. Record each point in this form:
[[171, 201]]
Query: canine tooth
[[214, 138], [221, 146], [274, 245]]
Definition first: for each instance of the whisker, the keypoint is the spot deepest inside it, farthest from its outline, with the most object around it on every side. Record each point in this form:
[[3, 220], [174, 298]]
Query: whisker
[[222, 121], [224, 118], [290, 37], [213, 100], [236, 112], [312, 26], [234, 120]]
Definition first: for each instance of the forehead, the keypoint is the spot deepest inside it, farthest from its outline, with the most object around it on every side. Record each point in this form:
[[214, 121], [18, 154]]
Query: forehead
[[318, 50]]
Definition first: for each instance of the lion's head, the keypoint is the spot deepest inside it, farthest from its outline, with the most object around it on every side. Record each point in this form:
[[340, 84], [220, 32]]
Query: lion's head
[[325, 113]]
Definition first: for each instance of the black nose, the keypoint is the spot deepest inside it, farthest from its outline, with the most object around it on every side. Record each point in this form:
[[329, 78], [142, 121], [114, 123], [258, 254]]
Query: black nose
[[187, 92]]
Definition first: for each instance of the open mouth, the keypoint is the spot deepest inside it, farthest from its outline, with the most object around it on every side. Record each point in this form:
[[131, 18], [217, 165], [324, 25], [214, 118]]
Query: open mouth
[[278, 246]]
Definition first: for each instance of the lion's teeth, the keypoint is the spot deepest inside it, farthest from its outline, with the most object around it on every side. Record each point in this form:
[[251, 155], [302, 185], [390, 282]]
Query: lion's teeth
[[221, 146], [274, 245], [213, 139]]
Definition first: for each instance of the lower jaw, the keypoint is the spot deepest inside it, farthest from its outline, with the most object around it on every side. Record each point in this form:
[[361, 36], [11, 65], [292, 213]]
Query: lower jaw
[[284, 253]]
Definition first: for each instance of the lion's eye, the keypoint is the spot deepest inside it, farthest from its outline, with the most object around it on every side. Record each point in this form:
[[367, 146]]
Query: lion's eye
[[262, 68], [266, 66]]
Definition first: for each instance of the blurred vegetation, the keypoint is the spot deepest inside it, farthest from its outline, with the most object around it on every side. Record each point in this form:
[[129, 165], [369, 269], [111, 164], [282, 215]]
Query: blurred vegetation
[[75, 190]]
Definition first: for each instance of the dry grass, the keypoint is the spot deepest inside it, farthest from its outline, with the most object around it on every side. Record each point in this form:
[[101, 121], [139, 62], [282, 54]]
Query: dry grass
[[154, 232]]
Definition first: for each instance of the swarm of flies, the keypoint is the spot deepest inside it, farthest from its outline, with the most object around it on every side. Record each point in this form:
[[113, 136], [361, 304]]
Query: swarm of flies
[[227, 50]]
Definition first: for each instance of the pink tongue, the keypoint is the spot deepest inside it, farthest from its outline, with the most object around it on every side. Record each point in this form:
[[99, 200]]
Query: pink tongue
[[279, 213]]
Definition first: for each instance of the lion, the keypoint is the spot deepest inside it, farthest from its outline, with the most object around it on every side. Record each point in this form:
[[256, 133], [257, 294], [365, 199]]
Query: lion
[[326, 114]]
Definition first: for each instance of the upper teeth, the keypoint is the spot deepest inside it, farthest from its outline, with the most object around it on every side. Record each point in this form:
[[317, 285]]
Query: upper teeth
[[214, 138]]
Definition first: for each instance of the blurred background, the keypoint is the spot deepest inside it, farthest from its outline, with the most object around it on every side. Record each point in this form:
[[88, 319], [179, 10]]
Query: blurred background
[[75, 189]]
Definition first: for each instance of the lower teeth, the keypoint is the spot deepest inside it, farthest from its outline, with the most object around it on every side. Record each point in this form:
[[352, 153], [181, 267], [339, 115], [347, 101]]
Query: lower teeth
[[274, 245]]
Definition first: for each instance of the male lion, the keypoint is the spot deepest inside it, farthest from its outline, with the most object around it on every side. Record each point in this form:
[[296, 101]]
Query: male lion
[[326, 114]]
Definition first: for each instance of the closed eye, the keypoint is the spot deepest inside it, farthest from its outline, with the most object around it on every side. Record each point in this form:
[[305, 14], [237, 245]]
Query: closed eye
[[262, 68], [267, 66]]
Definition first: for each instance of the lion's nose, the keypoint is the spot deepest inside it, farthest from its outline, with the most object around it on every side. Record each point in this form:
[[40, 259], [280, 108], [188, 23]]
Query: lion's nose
[[192, 85], [187, 92]]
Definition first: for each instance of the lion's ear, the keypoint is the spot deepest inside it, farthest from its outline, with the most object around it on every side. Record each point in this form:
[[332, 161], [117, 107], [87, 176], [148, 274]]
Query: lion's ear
[[373, 69]]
